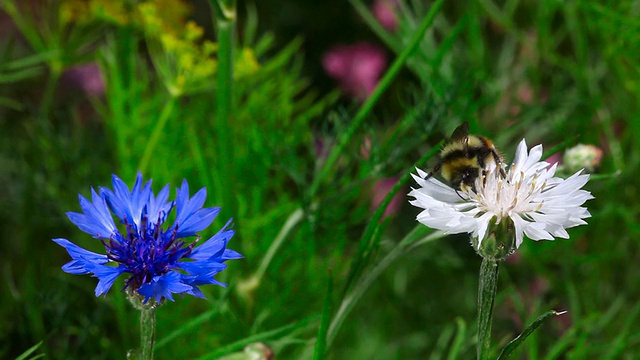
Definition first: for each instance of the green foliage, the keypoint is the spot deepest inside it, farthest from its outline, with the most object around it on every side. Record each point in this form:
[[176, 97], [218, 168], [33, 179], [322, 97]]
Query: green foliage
[[296, 170]]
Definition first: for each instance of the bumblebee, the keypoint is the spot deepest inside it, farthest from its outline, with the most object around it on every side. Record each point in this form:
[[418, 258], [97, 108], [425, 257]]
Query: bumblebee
[[464, 157]]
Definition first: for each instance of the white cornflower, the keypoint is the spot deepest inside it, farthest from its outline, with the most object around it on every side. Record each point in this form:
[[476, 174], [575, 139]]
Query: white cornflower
[[529, 201]]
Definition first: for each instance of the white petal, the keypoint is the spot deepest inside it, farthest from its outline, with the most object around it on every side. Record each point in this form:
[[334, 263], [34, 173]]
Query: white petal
[[536, 231], [541, 205]]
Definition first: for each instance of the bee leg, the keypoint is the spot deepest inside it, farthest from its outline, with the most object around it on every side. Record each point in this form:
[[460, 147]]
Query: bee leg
[[498, 160], [460, 196], [435, 170]]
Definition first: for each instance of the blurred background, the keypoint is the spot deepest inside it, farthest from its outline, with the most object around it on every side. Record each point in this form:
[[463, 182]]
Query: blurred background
[[333, 103]]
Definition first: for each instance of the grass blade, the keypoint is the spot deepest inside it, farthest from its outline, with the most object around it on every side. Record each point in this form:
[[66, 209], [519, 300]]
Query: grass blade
[[513, 345], [321, 340]]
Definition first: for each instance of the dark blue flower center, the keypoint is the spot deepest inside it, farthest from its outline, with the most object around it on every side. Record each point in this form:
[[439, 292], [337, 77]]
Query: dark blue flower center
[[147, 251]]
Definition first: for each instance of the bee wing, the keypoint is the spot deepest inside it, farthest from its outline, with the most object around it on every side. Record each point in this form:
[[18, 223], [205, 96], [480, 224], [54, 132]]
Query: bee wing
[[461, 133]]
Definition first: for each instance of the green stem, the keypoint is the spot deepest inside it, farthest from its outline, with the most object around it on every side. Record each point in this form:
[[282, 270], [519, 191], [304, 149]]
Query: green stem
[[486, 296], [225, 19], [383, 85], [411, 241], [291, 222], [147, 332], [55, 70], [157, 133]]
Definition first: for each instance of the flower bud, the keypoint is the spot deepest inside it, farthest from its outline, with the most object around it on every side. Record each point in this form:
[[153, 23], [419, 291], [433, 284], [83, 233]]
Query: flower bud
[[582, 156]]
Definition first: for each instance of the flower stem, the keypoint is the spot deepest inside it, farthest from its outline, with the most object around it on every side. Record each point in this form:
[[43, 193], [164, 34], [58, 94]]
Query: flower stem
[[291, 222], [225, 20], [486, 297], [157, 133], [147, 332]]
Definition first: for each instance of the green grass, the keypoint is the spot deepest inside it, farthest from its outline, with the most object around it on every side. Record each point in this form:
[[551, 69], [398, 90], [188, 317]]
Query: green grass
[[323, 272]]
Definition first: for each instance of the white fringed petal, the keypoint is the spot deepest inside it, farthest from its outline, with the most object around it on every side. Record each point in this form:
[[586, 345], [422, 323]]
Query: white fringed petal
[[540, 205]]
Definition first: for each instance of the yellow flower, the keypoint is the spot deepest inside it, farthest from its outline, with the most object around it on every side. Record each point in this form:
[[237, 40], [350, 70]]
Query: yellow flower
[[158, 17], [246, 63], [74, 11], [113, 11]]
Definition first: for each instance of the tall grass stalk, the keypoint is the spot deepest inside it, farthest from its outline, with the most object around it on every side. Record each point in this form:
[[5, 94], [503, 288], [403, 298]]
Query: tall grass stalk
[[157, 133], [413, 240], [225, 20]]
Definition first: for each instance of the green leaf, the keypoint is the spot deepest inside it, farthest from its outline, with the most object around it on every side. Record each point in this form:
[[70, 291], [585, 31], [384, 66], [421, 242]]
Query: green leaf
[[29, 351], [513, 345], [419, 236], [321, 339], [458, 341], [263, 336], [10, 103]]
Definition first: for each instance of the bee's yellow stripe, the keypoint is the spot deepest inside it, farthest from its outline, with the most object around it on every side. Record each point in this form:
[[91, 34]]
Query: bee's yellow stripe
[[454, 166]]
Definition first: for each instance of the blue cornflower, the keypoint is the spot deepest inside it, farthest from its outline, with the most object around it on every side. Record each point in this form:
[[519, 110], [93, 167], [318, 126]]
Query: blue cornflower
[[158, 261]]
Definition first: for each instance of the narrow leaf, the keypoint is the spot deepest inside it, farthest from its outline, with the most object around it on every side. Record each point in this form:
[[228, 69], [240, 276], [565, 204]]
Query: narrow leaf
[[321, 339], [458, 341], [29, 351], [513, 345], [263, 336]]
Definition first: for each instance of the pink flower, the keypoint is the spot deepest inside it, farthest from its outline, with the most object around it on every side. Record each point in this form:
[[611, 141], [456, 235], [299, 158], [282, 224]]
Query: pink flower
[[554, 159], [357, 67], [380, 190], [384, 11], [85, 77]]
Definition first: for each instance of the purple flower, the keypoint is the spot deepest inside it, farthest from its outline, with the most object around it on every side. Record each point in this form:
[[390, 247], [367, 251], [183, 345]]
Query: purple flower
[[385, 13], [357, 67], [159, 262], [380, 190], [85, 77]]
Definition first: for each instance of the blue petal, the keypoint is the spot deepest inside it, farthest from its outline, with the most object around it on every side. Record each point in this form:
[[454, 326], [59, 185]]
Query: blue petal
[[118, 199], [197, 221], [204, 278], [163, 286], [139, 198], [95, 219], [158, 207], [106, 277], [215, 247], [198, 268], [230, 255], [190, 217], [195, 291], [128, 204], [84, 261], [87, 262]]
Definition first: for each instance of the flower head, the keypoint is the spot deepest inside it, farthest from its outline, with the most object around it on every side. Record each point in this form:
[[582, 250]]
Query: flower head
[[380, 190], [159, 262], [86, 78], [530, 201], [357, 67], [582, 156], [385, 13]]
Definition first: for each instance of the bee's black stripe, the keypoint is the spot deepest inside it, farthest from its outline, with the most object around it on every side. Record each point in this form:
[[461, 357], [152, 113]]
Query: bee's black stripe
[[469, 153]]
